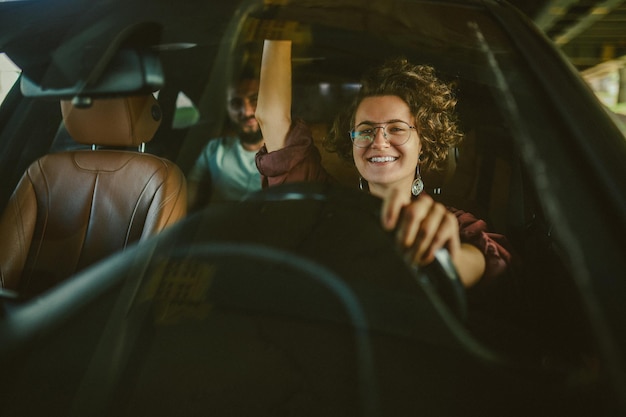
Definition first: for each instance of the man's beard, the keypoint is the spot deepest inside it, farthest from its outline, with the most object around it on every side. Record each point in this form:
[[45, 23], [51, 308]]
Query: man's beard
[[250, 138]]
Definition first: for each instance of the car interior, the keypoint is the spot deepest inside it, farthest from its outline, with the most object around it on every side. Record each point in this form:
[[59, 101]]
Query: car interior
[[128, 289]]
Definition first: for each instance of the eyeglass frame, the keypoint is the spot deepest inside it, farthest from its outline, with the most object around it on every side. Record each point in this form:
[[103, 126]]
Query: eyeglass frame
[[383, 127]]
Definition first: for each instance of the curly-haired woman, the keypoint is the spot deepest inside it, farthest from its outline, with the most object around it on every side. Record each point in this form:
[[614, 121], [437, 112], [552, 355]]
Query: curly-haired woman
[[402, 119]]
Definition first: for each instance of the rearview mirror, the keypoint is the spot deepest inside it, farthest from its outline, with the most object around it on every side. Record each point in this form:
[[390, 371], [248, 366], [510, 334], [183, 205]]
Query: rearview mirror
[[130, 71]]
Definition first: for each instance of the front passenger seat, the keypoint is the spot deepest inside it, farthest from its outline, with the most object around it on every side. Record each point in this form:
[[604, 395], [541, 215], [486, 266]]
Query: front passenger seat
[[73, 208]]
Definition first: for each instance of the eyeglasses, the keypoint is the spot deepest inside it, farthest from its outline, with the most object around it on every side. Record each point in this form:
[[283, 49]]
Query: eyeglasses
[[395, 133]]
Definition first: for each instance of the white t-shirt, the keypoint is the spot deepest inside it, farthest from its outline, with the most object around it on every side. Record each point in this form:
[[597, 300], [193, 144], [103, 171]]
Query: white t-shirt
[[229, 167]]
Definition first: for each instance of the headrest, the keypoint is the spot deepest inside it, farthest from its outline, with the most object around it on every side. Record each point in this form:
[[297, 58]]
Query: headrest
[[125, 121]]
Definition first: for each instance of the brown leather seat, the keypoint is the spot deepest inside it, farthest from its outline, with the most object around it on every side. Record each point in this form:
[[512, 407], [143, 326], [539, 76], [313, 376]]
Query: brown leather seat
[[73, 208]]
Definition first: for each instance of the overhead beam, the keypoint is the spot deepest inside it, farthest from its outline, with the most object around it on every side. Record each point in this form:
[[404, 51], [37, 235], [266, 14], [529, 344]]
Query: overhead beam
[[598, 12], [551, 12]]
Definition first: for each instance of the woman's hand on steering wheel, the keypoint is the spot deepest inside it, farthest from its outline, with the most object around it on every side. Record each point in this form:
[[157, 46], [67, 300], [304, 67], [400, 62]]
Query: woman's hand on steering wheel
[[421, 227]]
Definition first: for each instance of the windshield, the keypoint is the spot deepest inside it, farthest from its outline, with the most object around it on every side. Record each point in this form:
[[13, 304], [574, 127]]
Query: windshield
[[292, 297]]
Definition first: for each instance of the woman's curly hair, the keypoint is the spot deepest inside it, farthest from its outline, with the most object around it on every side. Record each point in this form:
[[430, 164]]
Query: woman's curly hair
[[430, 100]]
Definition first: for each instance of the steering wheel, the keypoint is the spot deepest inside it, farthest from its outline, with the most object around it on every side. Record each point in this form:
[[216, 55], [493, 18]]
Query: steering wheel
[[440, 277], [295, 269]]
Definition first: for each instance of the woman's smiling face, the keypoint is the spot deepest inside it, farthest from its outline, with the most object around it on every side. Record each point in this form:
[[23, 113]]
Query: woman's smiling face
[[385, 166]]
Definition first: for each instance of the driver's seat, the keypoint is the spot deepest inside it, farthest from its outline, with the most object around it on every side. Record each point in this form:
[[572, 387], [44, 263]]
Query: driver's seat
[[73, 208]]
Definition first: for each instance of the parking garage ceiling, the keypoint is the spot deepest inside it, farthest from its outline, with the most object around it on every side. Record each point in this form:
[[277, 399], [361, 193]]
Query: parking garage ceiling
[[589, 32]]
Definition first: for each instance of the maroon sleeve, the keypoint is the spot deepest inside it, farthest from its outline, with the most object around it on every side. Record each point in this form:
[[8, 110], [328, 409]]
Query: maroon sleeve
[[298, 161], [494, 246]]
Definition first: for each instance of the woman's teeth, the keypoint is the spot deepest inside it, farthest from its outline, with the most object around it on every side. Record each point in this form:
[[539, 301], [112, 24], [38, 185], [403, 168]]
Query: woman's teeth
[[383, 159]]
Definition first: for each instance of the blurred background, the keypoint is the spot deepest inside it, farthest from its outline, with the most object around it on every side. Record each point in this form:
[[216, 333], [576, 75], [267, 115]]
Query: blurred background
[[592, 35]]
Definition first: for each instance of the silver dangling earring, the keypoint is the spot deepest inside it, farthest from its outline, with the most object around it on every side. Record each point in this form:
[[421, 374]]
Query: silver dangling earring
[[418, 185], [363, 185]]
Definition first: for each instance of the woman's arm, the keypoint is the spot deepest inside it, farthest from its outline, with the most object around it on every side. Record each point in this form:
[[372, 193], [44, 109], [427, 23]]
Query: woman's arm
[[273, 110], [289, 154]]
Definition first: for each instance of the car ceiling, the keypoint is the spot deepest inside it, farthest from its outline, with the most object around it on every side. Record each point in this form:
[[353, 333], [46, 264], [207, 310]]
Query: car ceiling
[[588, 31], [76, 36], [32, 30]]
